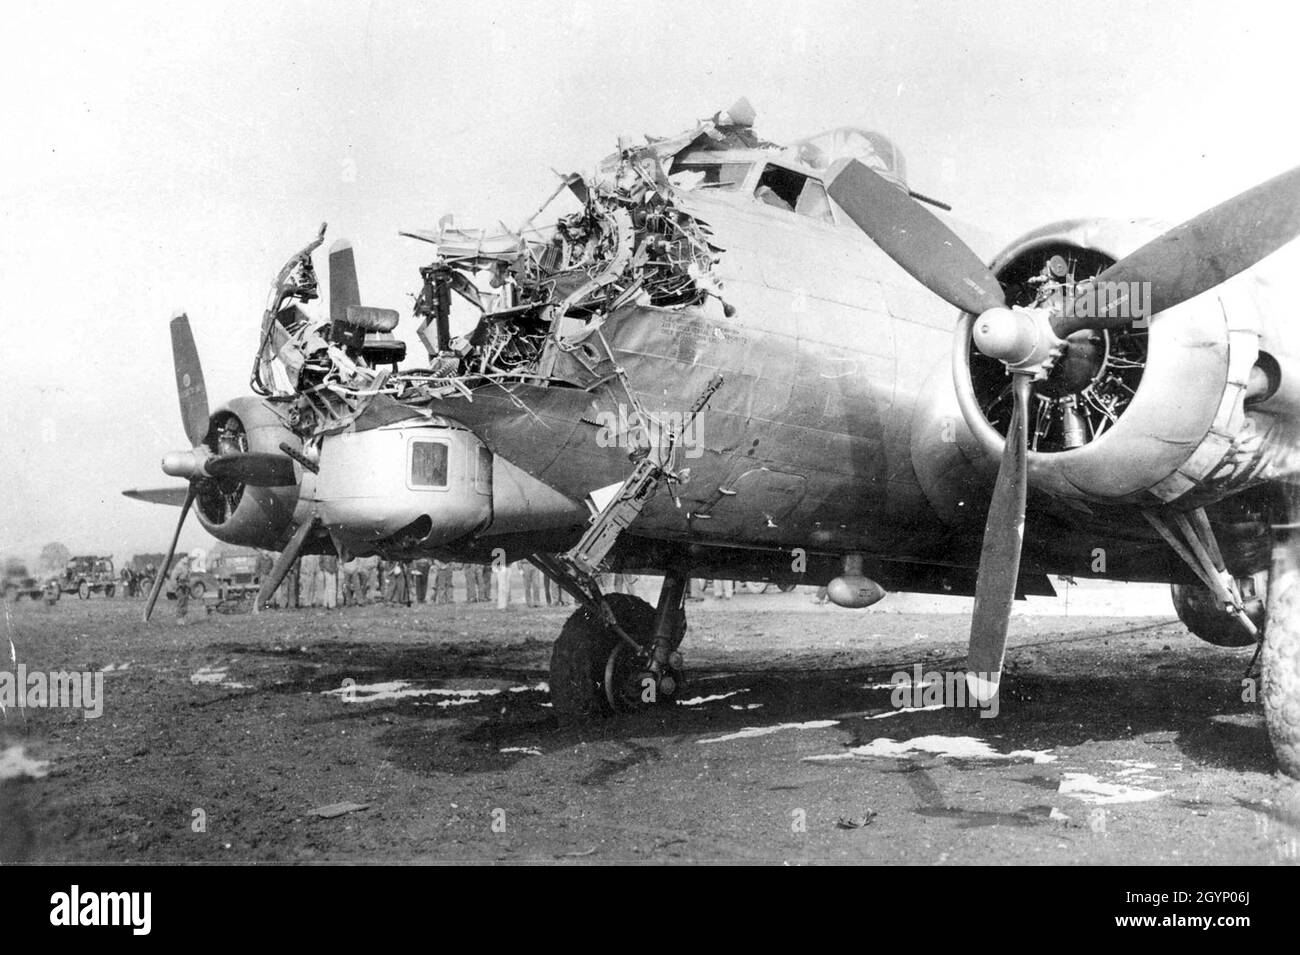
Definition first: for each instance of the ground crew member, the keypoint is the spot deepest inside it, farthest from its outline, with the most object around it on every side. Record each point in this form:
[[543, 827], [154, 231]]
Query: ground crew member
[[309, 567], [501, 574], [532, 584], [181, 581], [327, 581], [442, 592], [419, 570]]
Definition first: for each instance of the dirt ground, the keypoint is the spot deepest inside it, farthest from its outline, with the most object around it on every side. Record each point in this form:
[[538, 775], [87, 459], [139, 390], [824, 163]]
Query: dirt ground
[[1121, 739]]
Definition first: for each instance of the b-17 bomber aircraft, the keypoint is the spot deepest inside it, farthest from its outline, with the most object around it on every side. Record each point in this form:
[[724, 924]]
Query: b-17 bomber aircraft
[[748, 360]]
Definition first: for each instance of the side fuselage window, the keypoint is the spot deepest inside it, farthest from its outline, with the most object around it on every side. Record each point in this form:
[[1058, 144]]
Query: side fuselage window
[[428, 464]]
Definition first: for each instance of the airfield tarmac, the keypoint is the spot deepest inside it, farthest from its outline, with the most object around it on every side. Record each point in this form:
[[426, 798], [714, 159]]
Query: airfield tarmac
[[1121, 739]]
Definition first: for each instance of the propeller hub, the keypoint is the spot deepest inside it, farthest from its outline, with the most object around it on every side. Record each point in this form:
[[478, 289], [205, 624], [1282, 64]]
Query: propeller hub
[[183, 464], [1005, 334], [1021, 338]]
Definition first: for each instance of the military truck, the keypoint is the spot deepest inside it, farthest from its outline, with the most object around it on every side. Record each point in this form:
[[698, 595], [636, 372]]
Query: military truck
[[238, 574], [88, 575], [17, 584]]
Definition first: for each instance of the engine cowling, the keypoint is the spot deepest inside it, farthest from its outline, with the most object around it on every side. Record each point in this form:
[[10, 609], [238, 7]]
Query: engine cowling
[[1143, 414], [228, 509]]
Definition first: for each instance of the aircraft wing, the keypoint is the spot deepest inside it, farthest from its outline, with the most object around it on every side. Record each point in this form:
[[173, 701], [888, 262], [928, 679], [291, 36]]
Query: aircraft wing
[[175, 496]]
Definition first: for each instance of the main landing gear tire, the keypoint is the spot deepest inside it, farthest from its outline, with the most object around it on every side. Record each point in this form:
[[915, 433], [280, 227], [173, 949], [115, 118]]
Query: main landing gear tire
[[1203, 615], [587, 651], [1281, 662]]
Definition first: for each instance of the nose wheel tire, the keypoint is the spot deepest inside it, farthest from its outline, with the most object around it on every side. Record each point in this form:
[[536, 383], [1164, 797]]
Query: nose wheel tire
[[586, 651], [630, 684], [83, 591]]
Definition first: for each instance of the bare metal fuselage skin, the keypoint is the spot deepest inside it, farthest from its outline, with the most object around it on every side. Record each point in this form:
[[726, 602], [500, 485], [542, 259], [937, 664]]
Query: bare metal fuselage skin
[[830, 356], [837, 428]]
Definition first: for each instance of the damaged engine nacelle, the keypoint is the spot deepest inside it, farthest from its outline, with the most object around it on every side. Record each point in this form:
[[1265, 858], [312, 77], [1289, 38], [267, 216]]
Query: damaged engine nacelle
[[232, 511], [1144, 414]]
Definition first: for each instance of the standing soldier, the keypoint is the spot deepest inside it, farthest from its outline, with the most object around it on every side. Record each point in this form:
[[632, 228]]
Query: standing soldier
[[532, 584], [442, 592], [308, 568], [452, 568], [352, 596], [181, 581], [502, 573], [371, 578], [396, 590], [327, 581], [420, 578]]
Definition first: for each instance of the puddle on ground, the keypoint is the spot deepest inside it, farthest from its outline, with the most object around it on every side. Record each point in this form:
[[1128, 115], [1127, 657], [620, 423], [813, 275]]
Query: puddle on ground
[[215, 676], [905, 709], [1254, 721], [406, 689], [952, 747], [909, 685], [701, 700], [1097, 792], [755, 731], [16, 764]]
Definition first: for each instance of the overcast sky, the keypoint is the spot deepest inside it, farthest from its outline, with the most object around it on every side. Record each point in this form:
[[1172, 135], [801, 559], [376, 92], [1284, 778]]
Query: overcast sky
[[173, 155]]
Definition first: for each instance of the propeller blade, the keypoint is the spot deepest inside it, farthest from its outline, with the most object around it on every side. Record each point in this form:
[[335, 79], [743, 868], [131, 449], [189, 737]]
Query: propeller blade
[[175, 496], [1197, 255], [999, 570], [914, 238], [283, 563], [189, 380], [254, 468], [344, 290], [161, 577]]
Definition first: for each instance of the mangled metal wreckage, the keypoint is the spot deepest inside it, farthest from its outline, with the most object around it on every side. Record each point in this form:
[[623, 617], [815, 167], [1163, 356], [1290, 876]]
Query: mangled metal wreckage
[[633, 244]]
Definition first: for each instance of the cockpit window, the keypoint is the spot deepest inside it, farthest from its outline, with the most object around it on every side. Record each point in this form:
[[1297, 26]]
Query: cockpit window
[[723, 176], [870, 148], [793, 192]]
